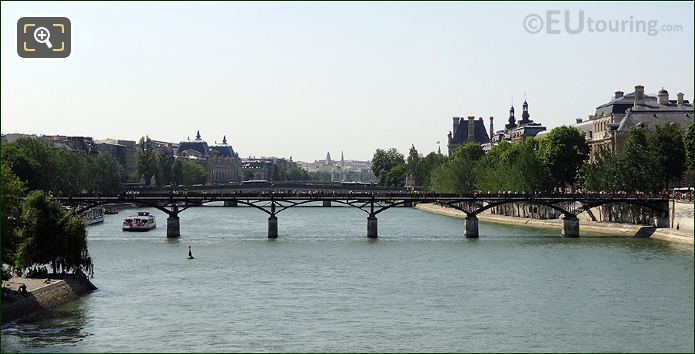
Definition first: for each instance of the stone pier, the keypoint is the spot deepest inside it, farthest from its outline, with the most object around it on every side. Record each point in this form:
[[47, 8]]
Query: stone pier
[[372, 227], [173, 227], [272, 227], [570, 226], [661, 221], [230, 203], [471, 228], [326, 203]]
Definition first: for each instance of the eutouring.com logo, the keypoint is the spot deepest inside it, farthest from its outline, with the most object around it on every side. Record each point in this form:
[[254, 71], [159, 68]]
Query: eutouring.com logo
[[575, 22]]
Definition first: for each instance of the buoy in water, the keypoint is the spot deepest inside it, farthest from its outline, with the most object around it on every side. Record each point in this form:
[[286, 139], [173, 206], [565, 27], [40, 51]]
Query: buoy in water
[[190, 255]]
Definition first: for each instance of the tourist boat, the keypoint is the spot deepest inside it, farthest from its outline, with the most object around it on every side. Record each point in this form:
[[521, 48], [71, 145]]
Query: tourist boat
[[141, 222], [94, 216]]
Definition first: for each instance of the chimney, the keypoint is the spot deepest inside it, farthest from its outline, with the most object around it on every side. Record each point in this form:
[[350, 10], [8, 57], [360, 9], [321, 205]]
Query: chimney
[[639, 95], [662, 97], [492, 131], [619, 94], [680, 98], [471, 129]]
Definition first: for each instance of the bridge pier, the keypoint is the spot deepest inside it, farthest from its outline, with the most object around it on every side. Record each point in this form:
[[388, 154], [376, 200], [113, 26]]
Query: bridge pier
[[173, 227], [570, 226], [661, 221], [327, 203], [471, 228], [230, 203], [372, 226], [272, 227]]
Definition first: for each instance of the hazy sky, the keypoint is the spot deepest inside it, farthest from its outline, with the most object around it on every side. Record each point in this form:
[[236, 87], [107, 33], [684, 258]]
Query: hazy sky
[[302, 79]]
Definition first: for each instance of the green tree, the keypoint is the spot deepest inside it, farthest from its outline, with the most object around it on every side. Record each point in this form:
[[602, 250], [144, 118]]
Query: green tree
[[563, 151], [668, 153], [192, 173], [635, 163], [413, 159], [248, 175], [50, 235], [166, 170], [33, 161], [689, 140], [395, 177], [297, 174], [147, 160], [384, 161], [13, 190], [425, 167], [458, 175], [108, 174]]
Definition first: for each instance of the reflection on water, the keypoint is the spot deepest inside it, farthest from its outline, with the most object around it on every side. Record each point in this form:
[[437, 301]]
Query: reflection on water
[[323, 286], [64, 326]]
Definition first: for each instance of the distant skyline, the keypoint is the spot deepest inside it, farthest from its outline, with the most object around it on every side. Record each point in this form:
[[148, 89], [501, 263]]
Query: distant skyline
[[302, 79]]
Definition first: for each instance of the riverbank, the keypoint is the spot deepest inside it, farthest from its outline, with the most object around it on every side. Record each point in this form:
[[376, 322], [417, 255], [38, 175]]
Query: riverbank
[[587, 228], [41, 295]]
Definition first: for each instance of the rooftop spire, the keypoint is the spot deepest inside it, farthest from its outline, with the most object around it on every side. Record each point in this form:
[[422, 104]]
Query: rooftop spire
[[197, 135], [224, 139]]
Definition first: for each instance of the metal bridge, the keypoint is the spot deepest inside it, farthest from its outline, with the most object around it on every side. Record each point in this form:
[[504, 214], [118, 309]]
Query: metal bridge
[[272, 200]]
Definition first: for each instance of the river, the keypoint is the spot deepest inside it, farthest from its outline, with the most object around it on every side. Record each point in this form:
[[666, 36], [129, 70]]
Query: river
[[323, 286]]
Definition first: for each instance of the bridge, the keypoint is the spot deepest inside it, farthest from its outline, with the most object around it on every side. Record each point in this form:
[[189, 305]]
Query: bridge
[[274, 199]]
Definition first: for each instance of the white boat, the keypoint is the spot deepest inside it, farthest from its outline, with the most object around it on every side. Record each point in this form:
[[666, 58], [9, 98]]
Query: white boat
[[94, 216], [141, 222]]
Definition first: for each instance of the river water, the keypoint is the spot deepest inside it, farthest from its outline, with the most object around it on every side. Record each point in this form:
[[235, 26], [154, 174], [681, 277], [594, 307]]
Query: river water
[[323, 286]]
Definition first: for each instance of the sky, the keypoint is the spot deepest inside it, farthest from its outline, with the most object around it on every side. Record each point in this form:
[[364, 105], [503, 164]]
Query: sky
[[303, 79]]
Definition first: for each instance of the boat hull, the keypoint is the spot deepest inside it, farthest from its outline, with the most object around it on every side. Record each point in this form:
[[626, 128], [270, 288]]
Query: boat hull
[[142, 229]]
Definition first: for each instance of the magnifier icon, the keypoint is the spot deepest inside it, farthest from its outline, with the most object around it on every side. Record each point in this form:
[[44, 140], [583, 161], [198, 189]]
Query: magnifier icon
[[43, 35]]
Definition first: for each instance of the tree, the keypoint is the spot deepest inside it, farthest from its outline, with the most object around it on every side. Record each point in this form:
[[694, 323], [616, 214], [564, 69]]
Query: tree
[[297, 174], [108, 174], [147, 160], [563, 151], [413, 159], [248, 175], [635, 163], [689, 140], [51, 235], [458, 175], [384, 161], [395, 177], [33, 161], [192, 173], [667, 150], [424, 168], [11, 196]]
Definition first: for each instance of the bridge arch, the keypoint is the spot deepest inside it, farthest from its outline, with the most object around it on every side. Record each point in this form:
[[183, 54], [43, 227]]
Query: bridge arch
[[139, 202]]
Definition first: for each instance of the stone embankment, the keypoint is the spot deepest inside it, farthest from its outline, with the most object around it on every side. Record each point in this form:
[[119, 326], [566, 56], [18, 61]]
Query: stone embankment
[[41, 295], [587, 228]]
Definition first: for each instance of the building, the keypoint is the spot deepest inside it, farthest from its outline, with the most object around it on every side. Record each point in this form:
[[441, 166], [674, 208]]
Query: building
[[516, 132], [610, 124], [79, 144], [466, 131], [263, 167], [343, 171], [220, 160], [124, 151]]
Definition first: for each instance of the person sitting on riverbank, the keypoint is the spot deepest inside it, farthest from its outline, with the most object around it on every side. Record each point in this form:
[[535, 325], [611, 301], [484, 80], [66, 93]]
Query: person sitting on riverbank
[[22, 289]]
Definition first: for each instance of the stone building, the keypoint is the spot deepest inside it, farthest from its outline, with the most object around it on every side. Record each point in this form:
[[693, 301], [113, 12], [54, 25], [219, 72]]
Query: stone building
[[514, 131], [466, 131], [220, 160], [124, 151], [610, 125]]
